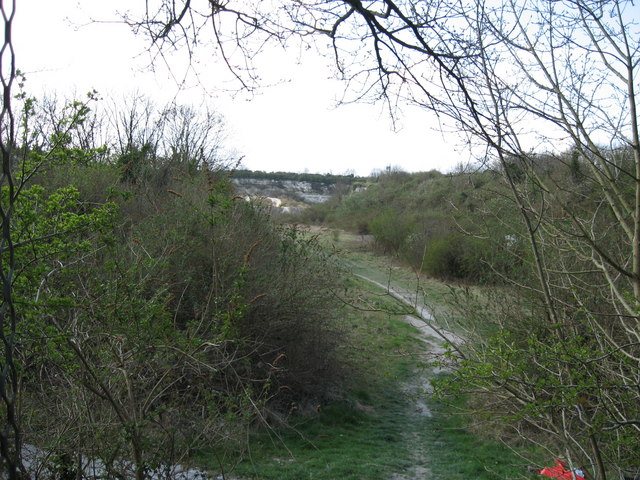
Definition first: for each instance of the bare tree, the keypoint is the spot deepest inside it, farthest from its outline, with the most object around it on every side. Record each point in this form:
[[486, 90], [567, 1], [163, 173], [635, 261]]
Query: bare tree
[[10, 434], [192, 138], [519, 79], [565, 73], [134, 123]]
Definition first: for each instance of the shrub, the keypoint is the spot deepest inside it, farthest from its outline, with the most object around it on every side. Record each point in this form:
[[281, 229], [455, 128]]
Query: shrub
[[236, 273], [442, 257], [184, 319], [390, 230]]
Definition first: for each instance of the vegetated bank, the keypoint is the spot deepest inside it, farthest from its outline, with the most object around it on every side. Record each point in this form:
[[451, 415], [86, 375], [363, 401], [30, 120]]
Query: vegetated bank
[[157, 314], [544, 359], [422, 218]]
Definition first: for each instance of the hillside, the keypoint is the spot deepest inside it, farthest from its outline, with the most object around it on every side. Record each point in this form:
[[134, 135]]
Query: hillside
[[289, 192], [421, 218], [293, 190]]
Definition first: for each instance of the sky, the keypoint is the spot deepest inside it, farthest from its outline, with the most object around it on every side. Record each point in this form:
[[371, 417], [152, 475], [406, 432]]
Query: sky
[[291, 125]]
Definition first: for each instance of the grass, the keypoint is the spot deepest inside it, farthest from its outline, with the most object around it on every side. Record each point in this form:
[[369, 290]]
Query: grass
[[343, 442], [456, 453], [360, 435]]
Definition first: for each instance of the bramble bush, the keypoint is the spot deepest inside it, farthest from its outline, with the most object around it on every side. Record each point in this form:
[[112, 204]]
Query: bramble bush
[[158, 313]]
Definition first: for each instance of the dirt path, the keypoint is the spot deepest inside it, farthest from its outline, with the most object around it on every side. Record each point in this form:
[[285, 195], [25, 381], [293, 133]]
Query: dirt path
[[420, 318], [419, 387]]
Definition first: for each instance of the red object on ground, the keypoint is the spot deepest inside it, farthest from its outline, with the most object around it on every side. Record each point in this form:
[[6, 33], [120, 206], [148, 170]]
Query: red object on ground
[[560, 471]]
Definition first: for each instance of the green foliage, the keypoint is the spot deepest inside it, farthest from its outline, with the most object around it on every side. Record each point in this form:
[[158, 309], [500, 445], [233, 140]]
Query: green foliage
[[442, 257], [198, 313], [540, 373], [390, 231], [412, 216], [156, 310], [135, 163]]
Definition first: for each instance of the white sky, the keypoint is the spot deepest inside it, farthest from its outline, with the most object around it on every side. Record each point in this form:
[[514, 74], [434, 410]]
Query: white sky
[[291, 126]]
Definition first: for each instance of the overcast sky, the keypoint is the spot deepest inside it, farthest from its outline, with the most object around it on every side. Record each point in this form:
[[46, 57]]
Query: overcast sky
[[291, 126]]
